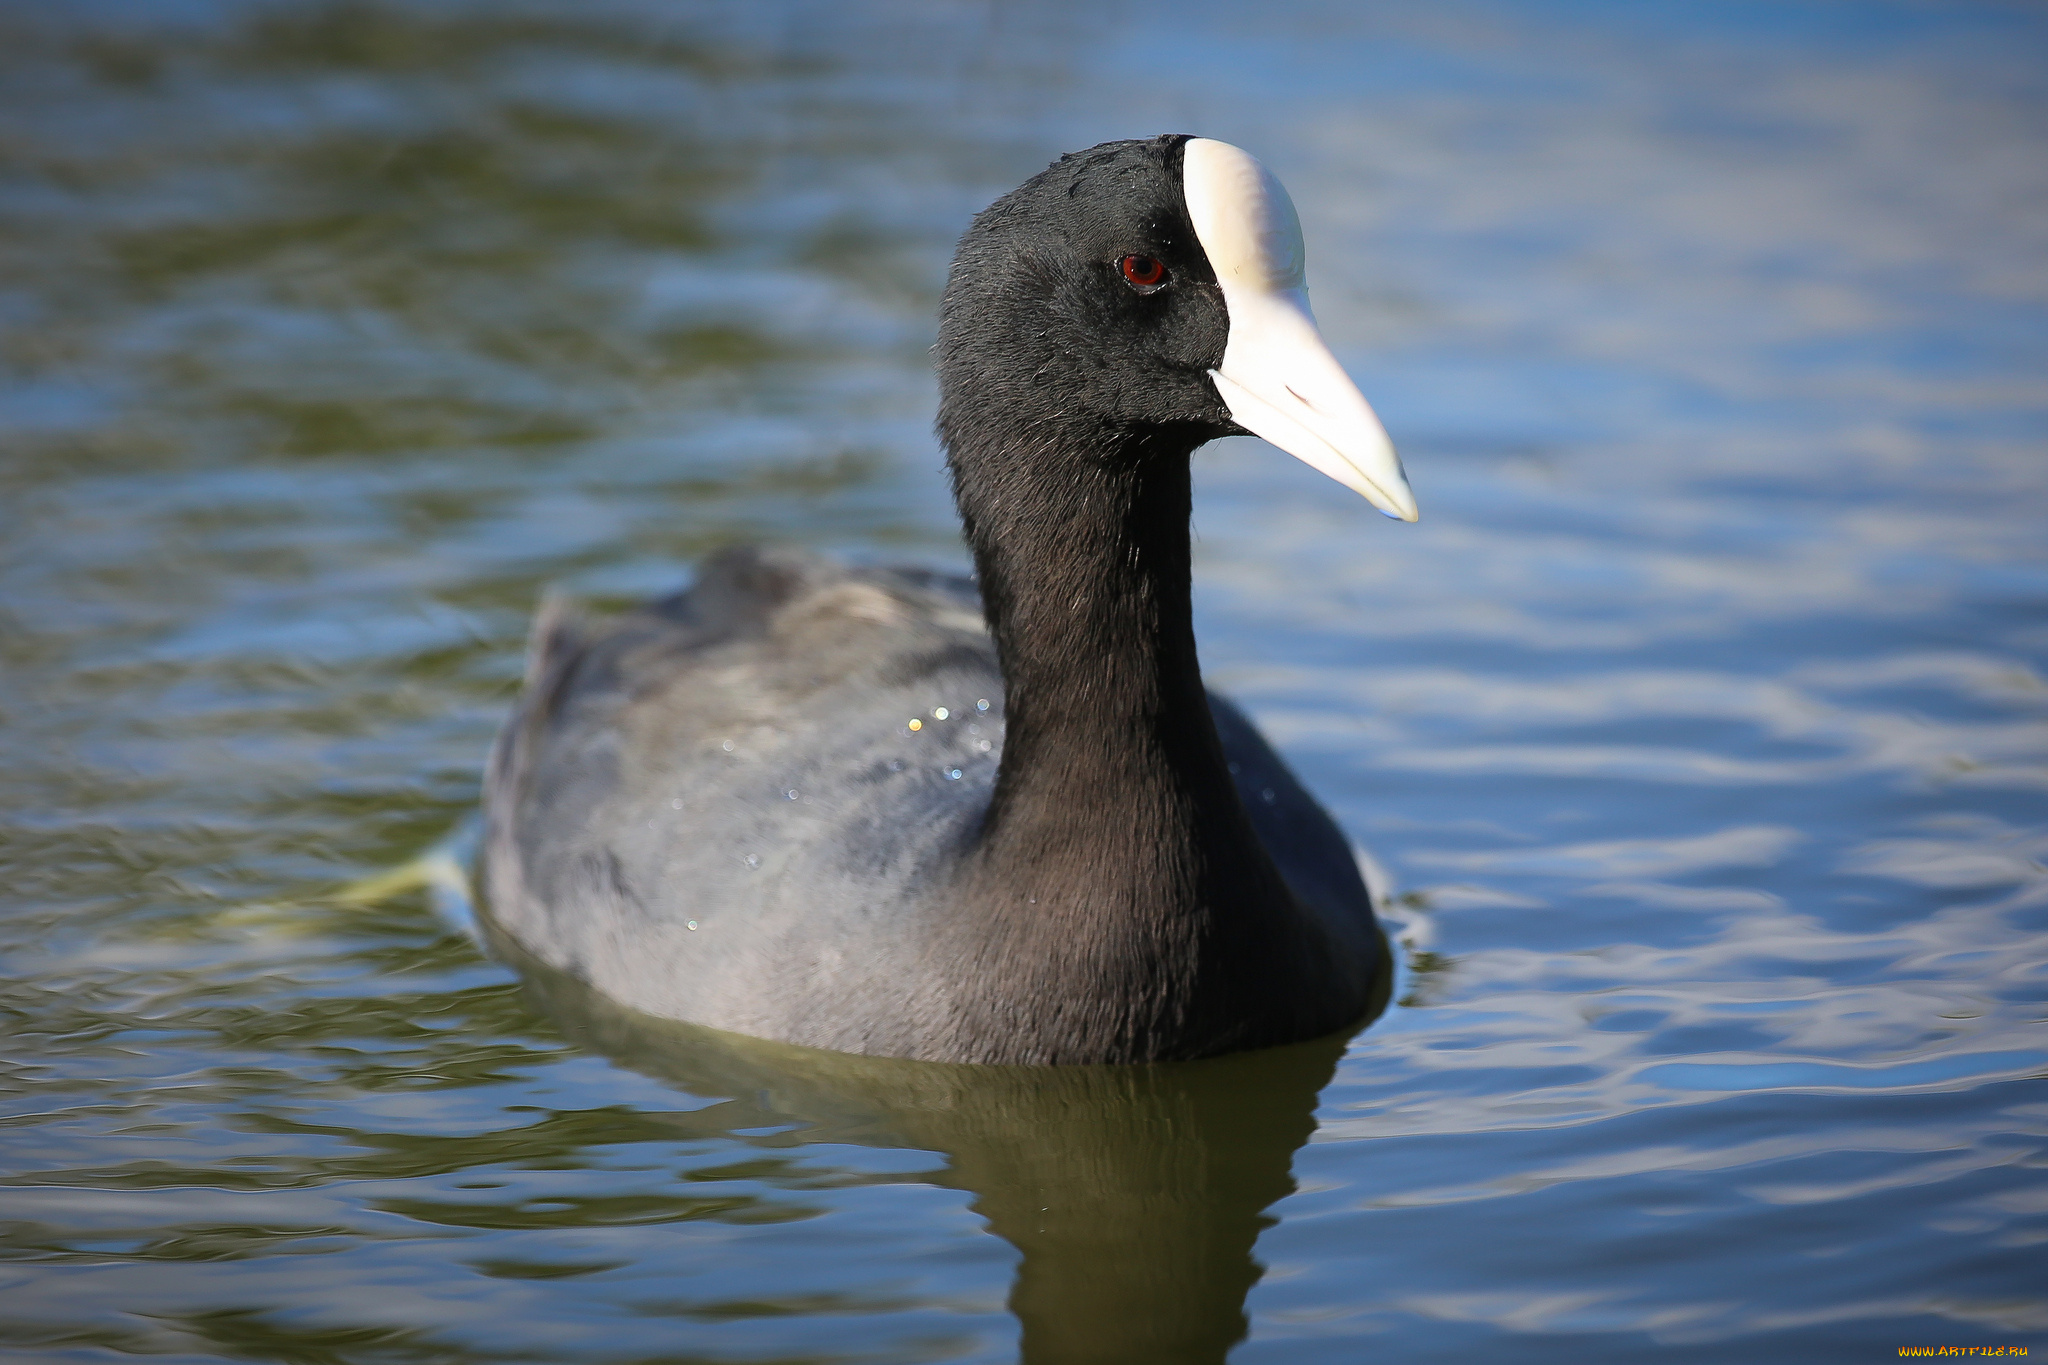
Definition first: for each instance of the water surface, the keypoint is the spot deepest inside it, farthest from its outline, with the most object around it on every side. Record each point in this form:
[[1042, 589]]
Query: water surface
[[1701, 721]]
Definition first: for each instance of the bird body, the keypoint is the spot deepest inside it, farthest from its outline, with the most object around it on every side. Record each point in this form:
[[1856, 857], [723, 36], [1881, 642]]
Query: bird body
[[1000, 820]]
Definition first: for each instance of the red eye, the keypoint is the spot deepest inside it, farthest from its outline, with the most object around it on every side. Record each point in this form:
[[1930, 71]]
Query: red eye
[[1143, 271]]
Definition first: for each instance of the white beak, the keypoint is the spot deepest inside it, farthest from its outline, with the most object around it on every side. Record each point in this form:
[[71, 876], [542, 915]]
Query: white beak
[[1278, 377]]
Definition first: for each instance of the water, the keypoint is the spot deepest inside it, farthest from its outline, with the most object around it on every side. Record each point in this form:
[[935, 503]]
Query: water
[[1701, 720]]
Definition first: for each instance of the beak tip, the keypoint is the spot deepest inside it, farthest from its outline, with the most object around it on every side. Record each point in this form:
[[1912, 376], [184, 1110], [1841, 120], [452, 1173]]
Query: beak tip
[[1393, 506]]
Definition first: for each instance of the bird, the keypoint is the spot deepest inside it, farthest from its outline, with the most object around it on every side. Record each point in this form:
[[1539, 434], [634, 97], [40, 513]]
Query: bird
[[996, 819]]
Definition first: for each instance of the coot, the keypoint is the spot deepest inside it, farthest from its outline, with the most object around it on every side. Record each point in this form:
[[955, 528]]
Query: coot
[[892, 812]]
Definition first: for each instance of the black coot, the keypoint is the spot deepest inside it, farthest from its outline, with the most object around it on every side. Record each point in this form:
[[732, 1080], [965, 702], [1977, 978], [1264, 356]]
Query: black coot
[[876, 811]]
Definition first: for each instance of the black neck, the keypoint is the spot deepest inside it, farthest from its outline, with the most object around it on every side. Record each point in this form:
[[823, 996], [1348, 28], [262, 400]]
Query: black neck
[[1115, 825], [1088, 601]]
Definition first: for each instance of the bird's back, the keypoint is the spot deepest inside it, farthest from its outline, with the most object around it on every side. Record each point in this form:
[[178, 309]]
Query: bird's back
[[743, 806]]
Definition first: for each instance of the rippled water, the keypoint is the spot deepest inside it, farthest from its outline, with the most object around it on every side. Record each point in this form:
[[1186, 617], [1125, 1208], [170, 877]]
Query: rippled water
[[1702, 719]]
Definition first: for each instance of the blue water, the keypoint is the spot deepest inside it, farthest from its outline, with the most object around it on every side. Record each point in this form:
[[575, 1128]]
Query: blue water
[[1701, 722]]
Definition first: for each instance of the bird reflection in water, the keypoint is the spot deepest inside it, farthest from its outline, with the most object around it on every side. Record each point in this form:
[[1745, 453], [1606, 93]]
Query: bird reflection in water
[[1134, 1194]]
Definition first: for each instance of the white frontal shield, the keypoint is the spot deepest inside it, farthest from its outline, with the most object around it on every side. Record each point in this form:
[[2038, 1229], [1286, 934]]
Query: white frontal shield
[[1278, 378]]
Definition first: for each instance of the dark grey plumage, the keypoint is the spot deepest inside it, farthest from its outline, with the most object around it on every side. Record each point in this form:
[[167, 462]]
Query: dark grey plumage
[[1105, 865]]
